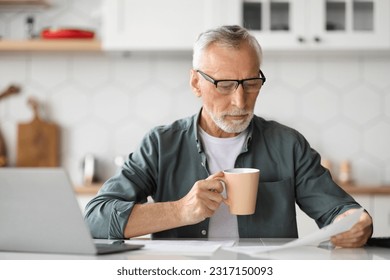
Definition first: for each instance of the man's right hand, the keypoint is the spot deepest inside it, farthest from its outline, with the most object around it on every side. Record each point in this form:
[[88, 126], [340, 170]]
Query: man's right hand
[[202, 200], [200, 203]]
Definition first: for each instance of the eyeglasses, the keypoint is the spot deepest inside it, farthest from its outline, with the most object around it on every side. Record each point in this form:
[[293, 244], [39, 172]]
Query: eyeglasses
[[225, 87]]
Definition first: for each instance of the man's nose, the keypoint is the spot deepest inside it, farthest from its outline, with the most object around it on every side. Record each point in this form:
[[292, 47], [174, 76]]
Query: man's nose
[[238, 97]]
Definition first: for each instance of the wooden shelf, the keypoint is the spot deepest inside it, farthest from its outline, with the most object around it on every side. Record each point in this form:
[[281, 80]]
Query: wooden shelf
[[25, 2], [58, 45]]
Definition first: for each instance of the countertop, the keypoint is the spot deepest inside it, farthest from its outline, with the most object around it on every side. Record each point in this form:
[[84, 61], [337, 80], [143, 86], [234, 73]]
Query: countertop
[[349, 188]]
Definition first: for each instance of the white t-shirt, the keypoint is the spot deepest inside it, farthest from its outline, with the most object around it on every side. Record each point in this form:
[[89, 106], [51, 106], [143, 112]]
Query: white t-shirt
[[222, 154]]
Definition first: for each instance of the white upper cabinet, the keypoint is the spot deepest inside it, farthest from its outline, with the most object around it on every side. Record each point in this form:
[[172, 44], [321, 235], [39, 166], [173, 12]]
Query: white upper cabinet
[[161, 24], [318, 24], [278, 24], [352, 24]]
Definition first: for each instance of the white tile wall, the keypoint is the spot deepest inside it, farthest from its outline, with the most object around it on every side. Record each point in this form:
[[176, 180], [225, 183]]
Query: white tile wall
[[105, 103]]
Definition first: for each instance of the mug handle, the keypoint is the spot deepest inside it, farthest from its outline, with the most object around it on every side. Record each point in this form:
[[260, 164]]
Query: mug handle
[[225, 199]]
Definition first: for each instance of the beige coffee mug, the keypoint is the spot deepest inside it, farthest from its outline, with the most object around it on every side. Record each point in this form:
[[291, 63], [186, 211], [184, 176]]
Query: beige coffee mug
[[241, 190]]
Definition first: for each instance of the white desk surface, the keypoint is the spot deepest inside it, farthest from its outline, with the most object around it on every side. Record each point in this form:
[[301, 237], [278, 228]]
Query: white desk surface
[[217, 250]]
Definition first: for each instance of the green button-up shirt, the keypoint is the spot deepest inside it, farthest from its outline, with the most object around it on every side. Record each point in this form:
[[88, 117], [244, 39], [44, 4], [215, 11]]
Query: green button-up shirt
[[171, 159]]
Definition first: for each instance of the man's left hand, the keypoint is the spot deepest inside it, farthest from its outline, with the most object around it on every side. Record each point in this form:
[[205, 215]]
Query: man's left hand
[[358, 235]]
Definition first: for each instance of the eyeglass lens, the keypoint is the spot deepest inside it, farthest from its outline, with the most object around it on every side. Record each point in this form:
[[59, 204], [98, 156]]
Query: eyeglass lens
[[250, 86]]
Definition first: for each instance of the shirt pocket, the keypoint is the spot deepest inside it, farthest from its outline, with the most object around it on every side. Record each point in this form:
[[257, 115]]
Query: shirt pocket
[[276, 199]]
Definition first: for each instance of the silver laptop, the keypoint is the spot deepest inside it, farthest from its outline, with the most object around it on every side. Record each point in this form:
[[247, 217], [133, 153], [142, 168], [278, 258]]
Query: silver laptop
[[40, 213]]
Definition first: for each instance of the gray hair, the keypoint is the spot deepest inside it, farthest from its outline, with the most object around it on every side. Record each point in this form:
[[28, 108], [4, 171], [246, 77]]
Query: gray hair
[[230, 36]]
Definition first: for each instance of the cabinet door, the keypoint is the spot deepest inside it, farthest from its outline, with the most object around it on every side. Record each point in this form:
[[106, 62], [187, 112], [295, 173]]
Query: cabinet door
[[366, 201], [277, 24], [381, 215], [158, 25], [319, 24], [349, 24], [306, 225]]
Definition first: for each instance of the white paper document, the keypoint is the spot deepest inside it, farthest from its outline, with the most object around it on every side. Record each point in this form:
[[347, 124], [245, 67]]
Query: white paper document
[[314, 238], [191, 247]]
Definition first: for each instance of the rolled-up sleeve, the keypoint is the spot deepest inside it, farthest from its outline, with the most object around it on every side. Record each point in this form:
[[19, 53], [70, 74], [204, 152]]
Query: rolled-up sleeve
[[107, 216], [317, 194], [108, 212]]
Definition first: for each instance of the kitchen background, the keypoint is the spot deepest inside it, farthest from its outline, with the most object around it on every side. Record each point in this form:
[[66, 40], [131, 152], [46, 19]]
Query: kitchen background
[[105, 102]]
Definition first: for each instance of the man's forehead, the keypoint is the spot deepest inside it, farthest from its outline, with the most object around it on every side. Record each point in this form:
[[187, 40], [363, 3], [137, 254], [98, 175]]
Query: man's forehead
[[217, 53]]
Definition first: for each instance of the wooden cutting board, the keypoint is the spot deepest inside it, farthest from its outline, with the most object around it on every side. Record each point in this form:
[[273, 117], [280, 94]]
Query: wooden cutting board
[[38, 142]]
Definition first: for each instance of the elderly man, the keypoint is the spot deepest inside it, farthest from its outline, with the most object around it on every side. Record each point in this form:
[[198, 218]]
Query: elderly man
[[179, 164]]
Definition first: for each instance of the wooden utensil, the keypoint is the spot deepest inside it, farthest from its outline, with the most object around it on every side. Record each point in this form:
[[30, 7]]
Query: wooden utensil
[[38, 142], [12, 89]]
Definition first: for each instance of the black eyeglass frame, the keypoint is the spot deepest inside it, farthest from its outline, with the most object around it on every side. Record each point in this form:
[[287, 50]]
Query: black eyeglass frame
[[239, 82]]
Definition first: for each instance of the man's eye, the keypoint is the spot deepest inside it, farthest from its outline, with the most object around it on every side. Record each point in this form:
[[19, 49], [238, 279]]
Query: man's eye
[[226, 85], [253, 83]]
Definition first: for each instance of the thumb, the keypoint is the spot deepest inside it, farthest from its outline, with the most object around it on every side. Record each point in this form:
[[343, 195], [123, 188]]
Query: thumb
[[216, 175]]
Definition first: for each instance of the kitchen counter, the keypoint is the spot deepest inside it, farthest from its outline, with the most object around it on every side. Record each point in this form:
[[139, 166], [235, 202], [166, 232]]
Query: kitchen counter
[[88, 190], [349, 188], [367, 189]]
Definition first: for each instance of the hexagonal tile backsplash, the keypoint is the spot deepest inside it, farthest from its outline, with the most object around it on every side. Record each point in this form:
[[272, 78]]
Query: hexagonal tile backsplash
[[105, 103]]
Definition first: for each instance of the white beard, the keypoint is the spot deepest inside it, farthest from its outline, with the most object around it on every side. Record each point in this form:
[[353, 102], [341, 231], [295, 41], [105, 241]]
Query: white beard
[[232, 126]]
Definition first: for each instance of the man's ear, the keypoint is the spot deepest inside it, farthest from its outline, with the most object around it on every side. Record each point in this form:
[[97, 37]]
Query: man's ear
[[194, 83]]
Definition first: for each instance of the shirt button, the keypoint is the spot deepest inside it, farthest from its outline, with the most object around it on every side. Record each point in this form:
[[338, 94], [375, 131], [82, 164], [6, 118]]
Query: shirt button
[[204, 232]]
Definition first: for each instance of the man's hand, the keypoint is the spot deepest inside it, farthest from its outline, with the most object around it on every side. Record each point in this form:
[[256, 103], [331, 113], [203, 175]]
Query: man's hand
[[202, 201], [358, 235]]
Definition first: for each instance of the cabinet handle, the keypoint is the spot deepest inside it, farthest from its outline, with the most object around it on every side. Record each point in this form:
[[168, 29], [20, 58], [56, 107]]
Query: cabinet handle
[[301, 39], [317, 39]]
